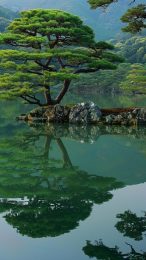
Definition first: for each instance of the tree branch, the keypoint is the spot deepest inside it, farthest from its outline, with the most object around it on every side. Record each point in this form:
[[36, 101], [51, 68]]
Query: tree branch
[[48, 62], [61, 63], [14, 44], [47, 95], [35, 72], [53, 43], [31, 99], [86, 70], [63, 91], [45, 66], [132, 2]]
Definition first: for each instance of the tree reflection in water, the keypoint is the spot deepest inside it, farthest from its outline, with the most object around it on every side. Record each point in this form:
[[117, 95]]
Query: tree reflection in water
[[54, 195], [131, 226], [103, 252]]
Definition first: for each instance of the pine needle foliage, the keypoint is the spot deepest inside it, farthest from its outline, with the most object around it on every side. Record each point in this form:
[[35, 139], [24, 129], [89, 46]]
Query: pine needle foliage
[[136, 19], [135, 16], [136, 80], [47, 48]]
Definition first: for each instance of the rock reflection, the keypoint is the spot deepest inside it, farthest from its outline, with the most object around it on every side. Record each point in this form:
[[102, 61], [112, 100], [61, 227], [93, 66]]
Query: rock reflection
[[89, 133], [54, 195]]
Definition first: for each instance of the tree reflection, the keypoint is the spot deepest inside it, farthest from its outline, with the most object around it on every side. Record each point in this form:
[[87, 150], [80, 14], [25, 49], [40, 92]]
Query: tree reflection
[[54, 195], [103, 252], [131, 225], [44, 217]]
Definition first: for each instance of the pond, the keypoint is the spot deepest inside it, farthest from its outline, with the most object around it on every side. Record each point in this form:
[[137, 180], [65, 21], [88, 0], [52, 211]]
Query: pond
[[71, 192]]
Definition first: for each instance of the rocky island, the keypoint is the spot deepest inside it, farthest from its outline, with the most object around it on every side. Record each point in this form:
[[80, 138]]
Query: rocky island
[[86, 113]]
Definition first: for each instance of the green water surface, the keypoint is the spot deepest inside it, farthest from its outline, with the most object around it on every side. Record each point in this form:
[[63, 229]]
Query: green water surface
[[71, 192]]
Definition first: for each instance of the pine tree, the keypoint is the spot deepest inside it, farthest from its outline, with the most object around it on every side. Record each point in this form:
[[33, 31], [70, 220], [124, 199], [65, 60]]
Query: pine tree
[[135, 17], [101, 3], [49, 48], [136, 80]]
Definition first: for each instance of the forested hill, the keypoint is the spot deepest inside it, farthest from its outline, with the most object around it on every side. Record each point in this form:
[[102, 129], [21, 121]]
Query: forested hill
[[106, 24], [6, 15]]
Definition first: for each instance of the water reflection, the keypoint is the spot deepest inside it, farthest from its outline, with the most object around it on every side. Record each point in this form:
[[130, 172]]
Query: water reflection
[[89, 134], [49, 195], [131, 225], [43, 193], [103, 252], [53, 177]]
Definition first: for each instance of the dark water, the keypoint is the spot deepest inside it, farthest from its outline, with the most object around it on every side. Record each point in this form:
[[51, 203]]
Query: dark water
[[71, 192]]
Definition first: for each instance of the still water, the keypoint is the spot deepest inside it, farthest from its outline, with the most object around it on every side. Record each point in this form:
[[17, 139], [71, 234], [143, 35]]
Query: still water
[[71, 192]]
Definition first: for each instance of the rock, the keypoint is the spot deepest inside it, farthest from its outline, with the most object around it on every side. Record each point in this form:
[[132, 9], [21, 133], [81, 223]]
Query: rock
[[85, 113], [109, 119], [50, 114], [57, 113], [119, 118], [22, 117], [141, 116], [37, 112], [38, 120], [142, 113], [129, 116], [124, 118]]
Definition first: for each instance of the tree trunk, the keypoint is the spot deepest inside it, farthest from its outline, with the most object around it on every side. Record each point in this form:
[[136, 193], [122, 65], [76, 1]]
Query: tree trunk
[[47, 95], [63, 91], [66, 159], [47, 147]]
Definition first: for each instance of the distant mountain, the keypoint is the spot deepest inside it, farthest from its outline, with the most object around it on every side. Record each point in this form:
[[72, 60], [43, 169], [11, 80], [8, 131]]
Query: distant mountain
[[6, 15], [106, 24]]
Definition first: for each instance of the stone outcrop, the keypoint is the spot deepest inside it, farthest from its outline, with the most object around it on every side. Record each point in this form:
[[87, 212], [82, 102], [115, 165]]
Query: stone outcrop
[[57, 114], [127, 116], [85, 114]]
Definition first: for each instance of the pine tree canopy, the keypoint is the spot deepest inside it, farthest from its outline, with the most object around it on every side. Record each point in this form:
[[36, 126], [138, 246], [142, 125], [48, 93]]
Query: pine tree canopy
[[135, 17], [136, 79], [45, 48], [101, 3]]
